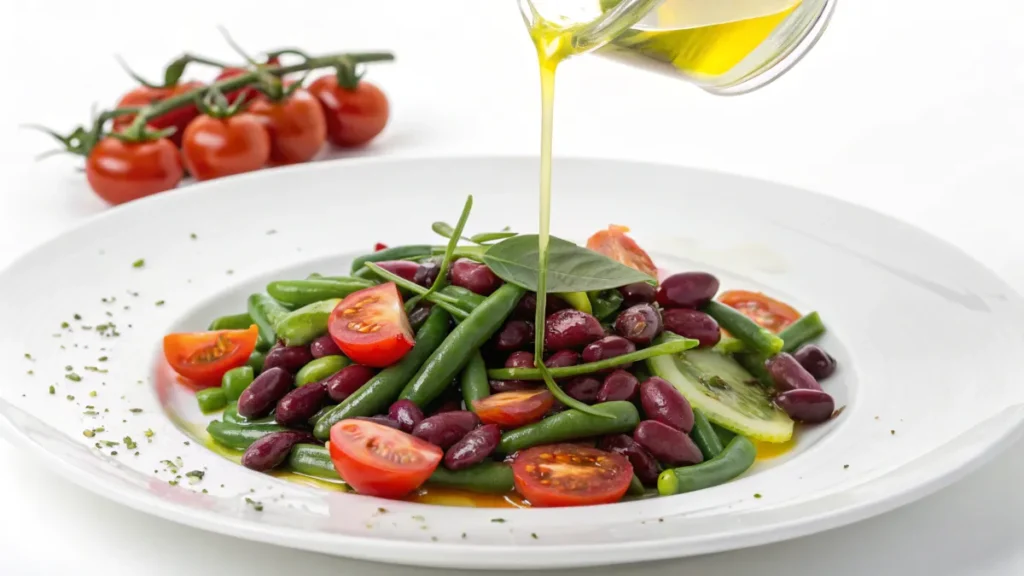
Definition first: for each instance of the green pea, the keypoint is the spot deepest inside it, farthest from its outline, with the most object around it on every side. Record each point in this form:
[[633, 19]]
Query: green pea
[[320, 368], [255, 361], [235, 381], [211, 399]]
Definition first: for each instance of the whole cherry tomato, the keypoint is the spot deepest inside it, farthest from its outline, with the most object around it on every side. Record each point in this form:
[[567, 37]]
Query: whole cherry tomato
[[354, 117], [296, 126], [177, 118], [120, 171], [215, 147]]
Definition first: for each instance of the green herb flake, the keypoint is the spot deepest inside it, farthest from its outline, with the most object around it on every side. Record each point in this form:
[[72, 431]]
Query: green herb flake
[[70, 398], [845, 466], [498, 520], [463, 535], [193, 236], [433, 538], [96, 369], [31, 372], [28, 356], [195, 476], [148, 433], [68, 368], [205, 491], [533, 535], [257, 506], [758, 496], [129, 443], [137, 411], [101, 429], [77, 316], [382, 510], [52, 389], [419, 518], [172, 482], [90, 413], [101, 359], [73, 377], [892, 432], [230, 272], [65, 325], [88, 433], [160, 302], [92, 394], [139, 263]]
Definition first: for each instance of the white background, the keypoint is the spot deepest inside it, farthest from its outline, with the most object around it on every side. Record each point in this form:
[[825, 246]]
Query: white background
[[915, 109]]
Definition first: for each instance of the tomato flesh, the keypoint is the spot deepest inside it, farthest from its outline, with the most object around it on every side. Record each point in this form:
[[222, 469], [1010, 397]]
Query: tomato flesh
[[571, 475], [370, 326], [514, 409], [767, 312], [615, 244], [378, 460], [204, 357]]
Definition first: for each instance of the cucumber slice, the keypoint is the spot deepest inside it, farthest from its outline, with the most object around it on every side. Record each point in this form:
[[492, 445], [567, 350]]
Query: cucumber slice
[[727, 394]]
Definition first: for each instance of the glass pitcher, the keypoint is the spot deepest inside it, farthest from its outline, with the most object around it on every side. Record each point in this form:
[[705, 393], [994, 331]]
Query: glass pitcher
[[723, 46]]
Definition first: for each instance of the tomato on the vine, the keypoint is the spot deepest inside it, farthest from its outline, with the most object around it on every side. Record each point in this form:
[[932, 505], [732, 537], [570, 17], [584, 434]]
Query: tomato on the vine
[[354, 116], [215, 147], [120, 171], [296, 126], [178, 118]]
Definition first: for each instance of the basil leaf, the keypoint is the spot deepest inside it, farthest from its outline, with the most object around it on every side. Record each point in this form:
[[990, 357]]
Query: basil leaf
[[571, 268], [605, 303]]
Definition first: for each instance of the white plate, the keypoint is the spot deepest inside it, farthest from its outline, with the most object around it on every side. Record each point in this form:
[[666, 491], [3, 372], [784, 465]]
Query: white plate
[[926, 338]]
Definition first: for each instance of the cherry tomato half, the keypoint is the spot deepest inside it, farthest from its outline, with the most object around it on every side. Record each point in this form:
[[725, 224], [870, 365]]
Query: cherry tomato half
[[614, 244], [354, 117], [121, 171], [370, 326], [766, 311], [216, 147], [296, 126], [378, 460], [514, 409], [204, 357], [178, 118], [571, 475]]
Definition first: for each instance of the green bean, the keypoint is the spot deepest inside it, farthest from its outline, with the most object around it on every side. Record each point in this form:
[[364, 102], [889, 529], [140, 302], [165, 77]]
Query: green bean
[[232, 322], [211, 399], [729, 345], [255, 361], [231, 416], [396, 253], [382, 390], [316, 417], [266, 313], [636, 487], [673, 345], [724, 434], [302, 326], [742, 328], [474, 381], [312, 460], [571, 425], [238, 437], [305, 292], [465, 340], [465, 299], [737, 457], [807, 328], [321, 368], [486, 477], [704, 436], [235, 381], [364, 273]]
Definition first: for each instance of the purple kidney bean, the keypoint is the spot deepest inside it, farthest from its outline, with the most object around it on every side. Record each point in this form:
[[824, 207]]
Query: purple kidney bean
[[637, 293], [668, 445], [404, 268], [513, 385], [583, 388], [324, 346], [527, 307], [644, 465], [639, 324], [448, 405], [619, 385], [427, 272], [514, 335], [788, 374], [521, 359], [662, 402], [473, 448], [810, 406], [563, 359], [571, 329], [346, 381], [446, 429], [299, 405], [382, 420], [608, 347], [419, 315], [815, 360], [692, 324], [406, 413], [474, 276], [262, 395], [687, 290], [271, 450], [290, 358]]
